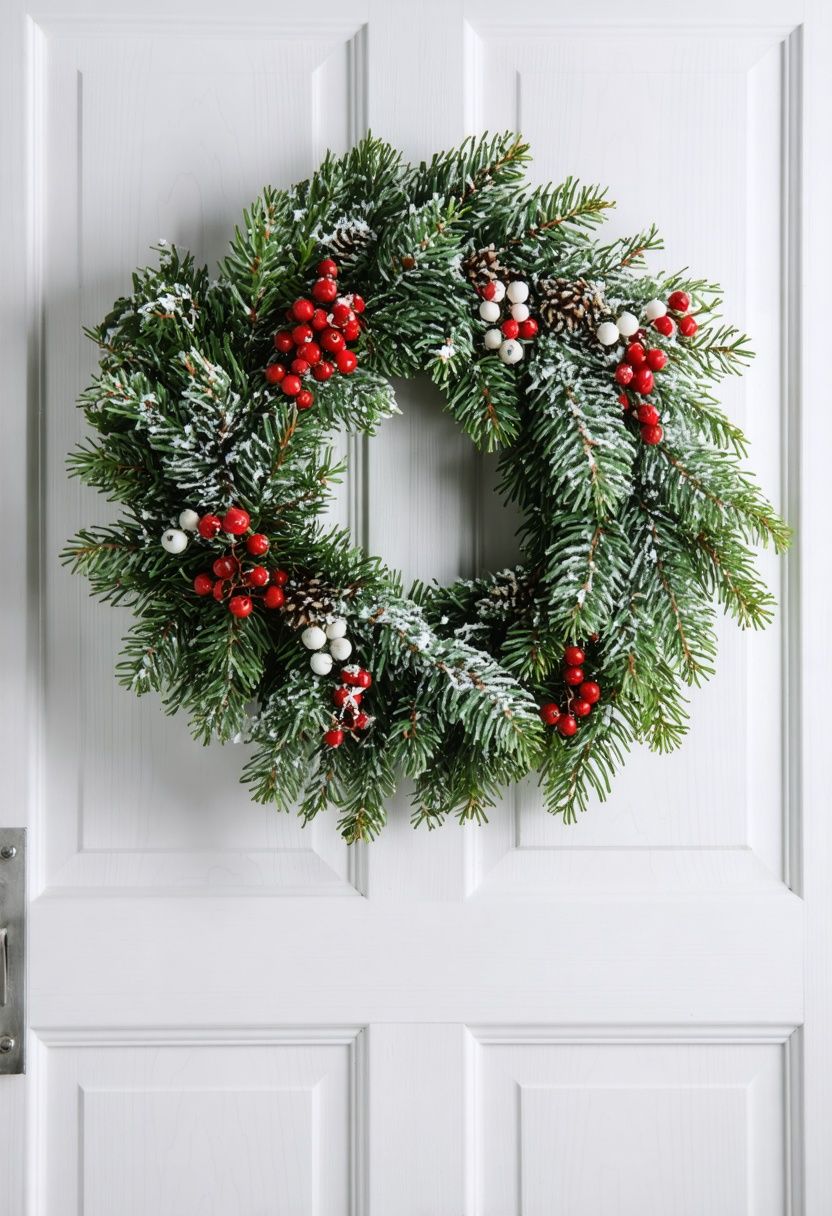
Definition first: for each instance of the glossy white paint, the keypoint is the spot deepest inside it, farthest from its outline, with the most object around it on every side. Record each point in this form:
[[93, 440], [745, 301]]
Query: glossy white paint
[[230, 1015]]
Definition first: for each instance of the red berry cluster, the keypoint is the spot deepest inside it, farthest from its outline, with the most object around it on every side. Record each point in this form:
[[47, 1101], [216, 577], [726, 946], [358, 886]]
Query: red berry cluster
[[348, 715], [581, 695], [322, 328], [635, 372], [230, 581], [678, 302]]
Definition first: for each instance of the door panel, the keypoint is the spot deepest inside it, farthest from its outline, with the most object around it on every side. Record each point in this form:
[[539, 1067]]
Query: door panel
[[700, 151], [230, 1014], [123, 176]]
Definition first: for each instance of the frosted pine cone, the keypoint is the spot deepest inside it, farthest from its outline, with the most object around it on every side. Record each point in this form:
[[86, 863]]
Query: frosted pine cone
[[483, 266], [308, 601], [570, 305]]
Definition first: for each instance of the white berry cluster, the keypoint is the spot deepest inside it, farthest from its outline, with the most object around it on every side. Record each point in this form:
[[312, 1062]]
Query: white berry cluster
[[175, 540], [609, 333], [516, 323], [339, 649]]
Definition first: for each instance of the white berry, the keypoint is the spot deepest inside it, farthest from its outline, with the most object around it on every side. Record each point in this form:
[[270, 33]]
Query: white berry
[[313, 638], [607, 333], [654, 309], [626, 324], [518, 292], [336, 628], [499, 290], [511, 351], [493, 339], [520, 312], [188, 520], [321, 664], [340, 649], [490, 310], [174, 541]]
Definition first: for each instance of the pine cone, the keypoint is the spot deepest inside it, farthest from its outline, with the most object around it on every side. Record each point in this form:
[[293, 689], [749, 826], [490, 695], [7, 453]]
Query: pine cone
[[483, 266], [507, 597], [349, 240], [308, 601], [570, 305]]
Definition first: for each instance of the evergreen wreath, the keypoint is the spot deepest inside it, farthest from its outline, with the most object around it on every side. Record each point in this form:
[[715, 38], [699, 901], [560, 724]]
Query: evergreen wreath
[[215, 408]]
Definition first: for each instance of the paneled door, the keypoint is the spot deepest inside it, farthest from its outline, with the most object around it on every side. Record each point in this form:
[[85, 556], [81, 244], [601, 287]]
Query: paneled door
[[231, 1016]]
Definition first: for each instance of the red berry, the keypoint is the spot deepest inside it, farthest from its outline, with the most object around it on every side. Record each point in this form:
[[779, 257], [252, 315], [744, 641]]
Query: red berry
[[325, 290], [356, 676], [643, 381], [664, 325], [225, 567], [236, 520], [304, 399], [488, 291], [302, 310], [656, 359], [334, 737], [357, 303], [283, 342], [549, 713], [257, 544], [574, 656], [203, 584], [639, 335], [258, 576], [688, 326], [299, 366], [624, 374], [219, 590], [679, 301], [209, 526], [590, 691], [240, 606], [319, 319], [341, 314], [340, 696], [347, 362], [362, 721], [302, 334], [280, 578], [624, 401], [652, 434], [510, 328], [352, 330], [332, 340], [328, 268], [581, 707], [310, 351], [567, 725], [274, 597], [528, 328], [573, 675], [647, 414], [635, 354], [291, 386], [275, 372], [323, 371]]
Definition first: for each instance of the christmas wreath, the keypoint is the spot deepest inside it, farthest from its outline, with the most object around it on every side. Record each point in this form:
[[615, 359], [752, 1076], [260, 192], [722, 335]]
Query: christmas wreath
[[214, 411]]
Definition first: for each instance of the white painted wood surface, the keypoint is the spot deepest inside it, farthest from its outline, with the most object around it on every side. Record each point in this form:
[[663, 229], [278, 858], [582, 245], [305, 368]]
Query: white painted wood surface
[[230, 1015]]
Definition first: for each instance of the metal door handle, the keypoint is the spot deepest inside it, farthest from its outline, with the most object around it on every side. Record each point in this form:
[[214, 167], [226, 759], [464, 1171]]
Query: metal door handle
[[12, 943]]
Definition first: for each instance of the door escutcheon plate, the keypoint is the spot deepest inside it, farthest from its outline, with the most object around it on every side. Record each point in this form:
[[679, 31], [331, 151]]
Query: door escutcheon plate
[[13, 949]]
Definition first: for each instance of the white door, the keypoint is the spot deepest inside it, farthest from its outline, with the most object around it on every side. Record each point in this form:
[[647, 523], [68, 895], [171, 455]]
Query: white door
[[229, 1016]]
